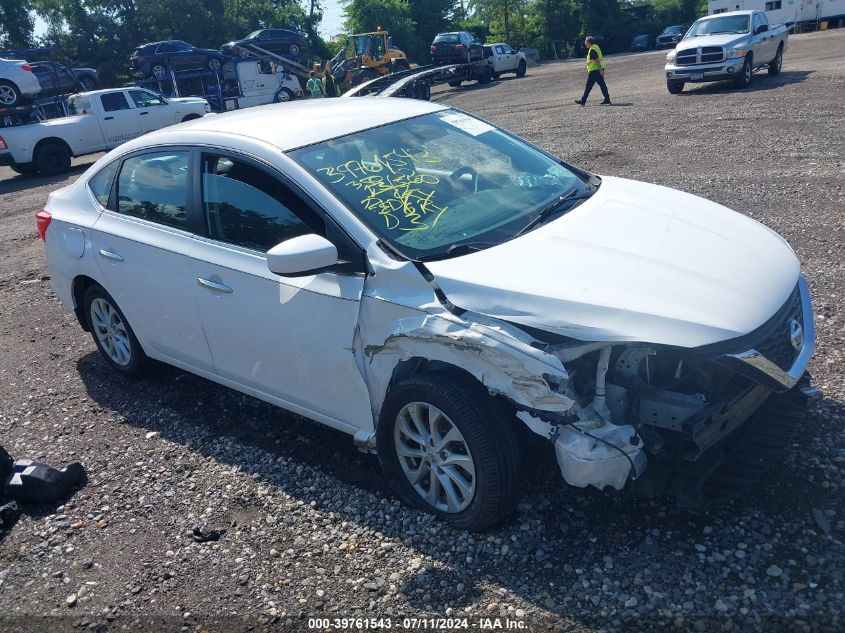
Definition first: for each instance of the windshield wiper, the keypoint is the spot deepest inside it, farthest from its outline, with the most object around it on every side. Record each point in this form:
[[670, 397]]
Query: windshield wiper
[[556, 207], [458, 249]]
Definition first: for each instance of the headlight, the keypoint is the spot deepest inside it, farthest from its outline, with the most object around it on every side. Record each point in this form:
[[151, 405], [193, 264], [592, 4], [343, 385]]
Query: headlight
[[670, 57], [739, 52]]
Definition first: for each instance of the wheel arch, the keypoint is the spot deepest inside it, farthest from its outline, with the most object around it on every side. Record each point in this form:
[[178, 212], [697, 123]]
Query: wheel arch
[[79, 286], [52, 139]]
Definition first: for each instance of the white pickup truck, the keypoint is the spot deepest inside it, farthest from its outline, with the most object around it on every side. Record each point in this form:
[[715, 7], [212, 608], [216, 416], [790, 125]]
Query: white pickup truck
[[504, 59], [100, 120], [726, 46]]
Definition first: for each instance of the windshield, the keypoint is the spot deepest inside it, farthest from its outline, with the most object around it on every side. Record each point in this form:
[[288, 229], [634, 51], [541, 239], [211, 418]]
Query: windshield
[[672, 30], [430, 184], [729, 24]]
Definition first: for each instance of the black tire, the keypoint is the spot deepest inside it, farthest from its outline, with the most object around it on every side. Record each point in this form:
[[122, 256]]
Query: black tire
[[777, 63], [455, 84], [10, 95], [743, 80], [399, 65], [283, 96], [88, 82], [675, 87], [294, 49], [485, 76], [190, 117], [243, 53], [52, 159], [496, 76], [138, 361], [213, 64], [159, 72], [363, 76], [520, 70], [490, 437], [24, 169]]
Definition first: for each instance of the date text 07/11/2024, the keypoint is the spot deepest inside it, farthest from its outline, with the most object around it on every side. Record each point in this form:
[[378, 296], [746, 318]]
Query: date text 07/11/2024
[[415, 623]]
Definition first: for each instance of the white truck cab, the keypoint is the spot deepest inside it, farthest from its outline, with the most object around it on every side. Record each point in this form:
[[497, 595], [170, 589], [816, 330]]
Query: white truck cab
[[252, 82]]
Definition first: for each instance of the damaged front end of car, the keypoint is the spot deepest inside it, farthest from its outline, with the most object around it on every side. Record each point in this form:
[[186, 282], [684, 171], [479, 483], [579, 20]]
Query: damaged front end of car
[[665, 419]]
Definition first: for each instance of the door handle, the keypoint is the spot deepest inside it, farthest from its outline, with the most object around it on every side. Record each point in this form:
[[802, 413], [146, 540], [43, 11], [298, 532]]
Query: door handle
[[143, 113], [108, 118], [110, 255], [213, 285]]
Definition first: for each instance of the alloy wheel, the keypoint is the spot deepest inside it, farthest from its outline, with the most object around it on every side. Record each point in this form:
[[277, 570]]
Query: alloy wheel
[[159, 72], [110, 332], [7, 95], [435, 457]]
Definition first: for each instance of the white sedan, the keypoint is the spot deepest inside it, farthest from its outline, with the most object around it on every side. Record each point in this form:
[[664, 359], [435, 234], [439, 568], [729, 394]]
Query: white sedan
[[17, 83], [433, 286]]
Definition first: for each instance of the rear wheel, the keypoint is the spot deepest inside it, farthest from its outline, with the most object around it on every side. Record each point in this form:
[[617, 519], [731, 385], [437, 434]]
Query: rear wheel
[[675, 87], [190, 117], [455, 84], [745, 76], [520, 70], [485, 76], [52, 159], [446, 448], [282, 96], [24, 169], [294, 49], [112, 334], [496, 76], [777, 62], [213, 64], [10, 96], [88, 82], [158, 72]]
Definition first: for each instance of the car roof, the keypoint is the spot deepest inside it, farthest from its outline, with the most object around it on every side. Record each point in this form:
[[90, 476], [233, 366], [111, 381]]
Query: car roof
[[728, 14], [299, 123]]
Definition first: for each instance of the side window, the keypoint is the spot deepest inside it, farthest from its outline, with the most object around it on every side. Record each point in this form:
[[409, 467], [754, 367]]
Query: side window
[[144, 99], [246, 206], [165, 48], [154, 187], [113, 101], [100, 183], [500, 50]]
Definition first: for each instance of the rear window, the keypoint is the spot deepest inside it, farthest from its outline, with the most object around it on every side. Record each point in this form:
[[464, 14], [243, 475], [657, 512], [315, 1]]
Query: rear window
[[452, 38]]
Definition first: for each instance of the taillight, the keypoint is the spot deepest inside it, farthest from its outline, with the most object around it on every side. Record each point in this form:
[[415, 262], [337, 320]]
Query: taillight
[[3, 144], [26, 67], [433, 48], [42, 221], [459, 47]]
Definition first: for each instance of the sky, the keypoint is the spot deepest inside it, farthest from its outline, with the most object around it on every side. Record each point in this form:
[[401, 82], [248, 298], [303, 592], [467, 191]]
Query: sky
[[332, 23]]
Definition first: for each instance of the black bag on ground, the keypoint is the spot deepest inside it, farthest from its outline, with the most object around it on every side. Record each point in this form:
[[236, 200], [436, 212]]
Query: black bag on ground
[[41, 483]]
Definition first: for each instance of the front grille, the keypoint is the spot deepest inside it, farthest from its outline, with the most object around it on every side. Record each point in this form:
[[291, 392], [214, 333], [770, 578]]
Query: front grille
[[776, 345], [772, 339], [704, 55]]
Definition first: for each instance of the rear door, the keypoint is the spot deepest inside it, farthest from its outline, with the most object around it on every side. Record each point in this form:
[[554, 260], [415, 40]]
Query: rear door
[[142, 244], [119, 120], [286, 338]]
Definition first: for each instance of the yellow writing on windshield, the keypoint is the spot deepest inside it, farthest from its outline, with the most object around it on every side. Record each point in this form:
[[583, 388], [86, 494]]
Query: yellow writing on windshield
[[392, 187]]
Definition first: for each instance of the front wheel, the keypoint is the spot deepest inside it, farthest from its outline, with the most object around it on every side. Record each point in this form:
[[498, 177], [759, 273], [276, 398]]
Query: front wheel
[[213, 64], [10, 96], [455, 84], [158, 72], [88, 82], [675, 87], [283, 96], [294, 49], [746, 74], [112, 334], [520, 70], [776, 64], [446, 448]]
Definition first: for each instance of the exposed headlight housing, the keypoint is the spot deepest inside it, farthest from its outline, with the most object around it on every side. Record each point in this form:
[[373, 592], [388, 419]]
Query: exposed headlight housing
[[739, 52], [670, 57]]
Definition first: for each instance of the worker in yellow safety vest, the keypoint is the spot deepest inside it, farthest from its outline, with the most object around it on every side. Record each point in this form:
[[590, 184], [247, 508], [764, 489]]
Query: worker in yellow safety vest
[[595, 72]]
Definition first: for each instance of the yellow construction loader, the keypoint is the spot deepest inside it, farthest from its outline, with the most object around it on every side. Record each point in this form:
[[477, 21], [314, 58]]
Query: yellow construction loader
[[366, 56]]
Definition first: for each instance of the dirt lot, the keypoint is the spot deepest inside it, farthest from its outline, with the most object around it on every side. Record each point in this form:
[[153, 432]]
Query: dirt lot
[[312, 530]]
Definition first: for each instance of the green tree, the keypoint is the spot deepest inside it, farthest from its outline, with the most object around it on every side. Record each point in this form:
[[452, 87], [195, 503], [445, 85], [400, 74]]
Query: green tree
[[16, 24]]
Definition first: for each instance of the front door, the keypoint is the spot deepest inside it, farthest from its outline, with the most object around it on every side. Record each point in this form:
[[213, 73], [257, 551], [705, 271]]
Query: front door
[[287, 338], [142, 245], [153, 113], [120, 121]]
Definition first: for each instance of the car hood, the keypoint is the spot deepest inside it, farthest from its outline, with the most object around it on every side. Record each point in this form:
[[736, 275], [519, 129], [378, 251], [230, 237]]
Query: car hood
[[711, 40], [634, 262]]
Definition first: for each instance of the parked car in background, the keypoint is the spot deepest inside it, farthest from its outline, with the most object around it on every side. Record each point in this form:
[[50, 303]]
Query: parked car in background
[[157, 58], [248, 82], [99, 121], [279, 41], [18, 84], [726, 46], [58, 79], [670, 36], [456, 48], [642, 43], [504, 59], [630, 327]]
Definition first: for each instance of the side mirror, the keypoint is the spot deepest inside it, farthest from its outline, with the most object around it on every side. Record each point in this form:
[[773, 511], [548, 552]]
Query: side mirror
[[303, 255], [761, 29]]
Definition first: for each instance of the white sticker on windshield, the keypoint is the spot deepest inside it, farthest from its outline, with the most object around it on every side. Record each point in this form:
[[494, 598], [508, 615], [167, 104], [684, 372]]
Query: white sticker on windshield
[[466, 123]]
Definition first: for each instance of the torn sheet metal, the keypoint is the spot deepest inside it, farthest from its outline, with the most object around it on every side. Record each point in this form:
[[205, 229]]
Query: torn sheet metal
[[499, 357]]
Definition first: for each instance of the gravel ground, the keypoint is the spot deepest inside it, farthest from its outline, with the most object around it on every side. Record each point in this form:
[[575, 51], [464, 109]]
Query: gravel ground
[[311, 528]]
